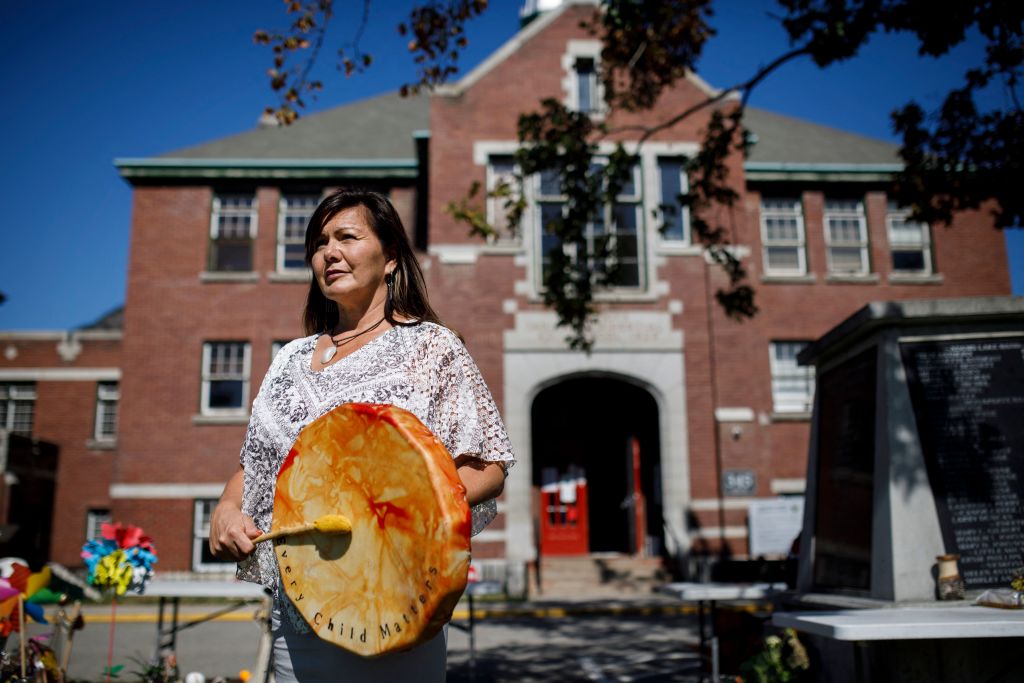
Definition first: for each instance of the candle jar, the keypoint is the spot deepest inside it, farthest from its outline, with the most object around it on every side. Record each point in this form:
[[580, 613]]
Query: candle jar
[[950, 585]]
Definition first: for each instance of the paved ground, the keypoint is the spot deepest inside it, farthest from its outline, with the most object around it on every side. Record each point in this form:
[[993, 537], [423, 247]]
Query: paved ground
[[650, 640]]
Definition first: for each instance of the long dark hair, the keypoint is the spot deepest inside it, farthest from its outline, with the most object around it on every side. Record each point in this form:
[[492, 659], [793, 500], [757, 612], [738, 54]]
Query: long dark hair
[[408, 296]]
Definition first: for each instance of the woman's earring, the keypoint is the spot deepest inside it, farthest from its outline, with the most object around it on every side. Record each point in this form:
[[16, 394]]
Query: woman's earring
[[389, 304]]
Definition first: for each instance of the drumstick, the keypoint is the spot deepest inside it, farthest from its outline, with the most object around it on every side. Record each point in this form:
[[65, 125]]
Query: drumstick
[[328, 524]]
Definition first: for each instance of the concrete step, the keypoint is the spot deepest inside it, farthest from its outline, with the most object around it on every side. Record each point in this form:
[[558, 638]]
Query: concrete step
[[598, 576]]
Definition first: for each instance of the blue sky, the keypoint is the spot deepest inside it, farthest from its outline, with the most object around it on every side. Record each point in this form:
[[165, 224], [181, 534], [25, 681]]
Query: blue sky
[[86, 82]]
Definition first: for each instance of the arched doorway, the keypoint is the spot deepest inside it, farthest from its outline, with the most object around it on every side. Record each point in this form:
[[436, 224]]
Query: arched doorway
[[597, 468]]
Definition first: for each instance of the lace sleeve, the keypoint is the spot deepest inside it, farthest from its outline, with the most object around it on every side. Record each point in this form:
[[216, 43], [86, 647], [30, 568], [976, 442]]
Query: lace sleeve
[[465, 418]]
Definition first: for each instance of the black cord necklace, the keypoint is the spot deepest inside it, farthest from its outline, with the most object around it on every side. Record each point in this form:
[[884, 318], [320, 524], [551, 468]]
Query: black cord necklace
[[336, 343]]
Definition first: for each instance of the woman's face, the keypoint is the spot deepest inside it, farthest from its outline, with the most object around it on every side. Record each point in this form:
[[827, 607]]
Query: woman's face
[[349, 262]]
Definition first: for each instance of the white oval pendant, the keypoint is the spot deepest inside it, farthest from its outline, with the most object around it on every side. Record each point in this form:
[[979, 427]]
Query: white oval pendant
[[327, 355]]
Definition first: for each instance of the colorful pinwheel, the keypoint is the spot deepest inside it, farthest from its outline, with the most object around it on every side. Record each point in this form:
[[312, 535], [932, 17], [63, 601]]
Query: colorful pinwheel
[[31, 588], [121, 559]]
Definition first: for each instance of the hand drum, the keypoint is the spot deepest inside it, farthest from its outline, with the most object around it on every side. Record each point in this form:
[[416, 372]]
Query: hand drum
[[393, 582]]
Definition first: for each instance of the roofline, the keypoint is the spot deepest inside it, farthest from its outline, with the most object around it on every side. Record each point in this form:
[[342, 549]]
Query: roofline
[[170, 167], [798, 166], [60, 335], [826, 172], [525, 35], [510, 46]]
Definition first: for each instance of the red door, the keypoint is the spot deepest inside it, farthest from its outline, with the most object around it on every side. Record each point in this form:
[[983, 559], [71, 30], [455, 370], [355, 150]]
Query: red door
[[563, 512]]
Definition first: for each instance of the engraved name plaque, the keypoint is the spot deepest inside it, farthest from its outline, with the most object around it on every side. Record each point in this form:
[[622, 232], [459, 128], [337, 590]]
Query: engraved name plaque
[[968, 399]]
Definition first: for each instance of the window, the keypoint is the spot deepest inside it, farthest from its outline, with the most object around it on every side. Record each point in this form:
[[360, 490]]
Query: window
[[232, 233], [616, 227], [17, 407], [673, 182], [792, 384], [501, 170], [910, 243], [225, 378], [588, 98], [202, 559], [581, 81], [107, 396], [782, 233], [95, 518], [846, 237], [293, 215]]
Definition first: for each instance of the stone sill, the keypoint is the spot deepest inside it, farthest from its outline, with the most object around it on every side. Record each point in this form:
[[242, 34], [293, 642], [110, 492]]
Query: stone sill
[[682, 249], [101, 445], [207, 276], [303, 277], [789, 279], [239, 419], [908, 279], [791, 417], [868, 279]]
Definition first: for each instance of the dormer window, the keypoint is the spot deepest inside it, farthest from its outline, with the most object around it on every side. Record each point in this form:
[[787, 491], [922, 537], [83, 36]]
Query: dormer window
[[582, 86], [586, 85]]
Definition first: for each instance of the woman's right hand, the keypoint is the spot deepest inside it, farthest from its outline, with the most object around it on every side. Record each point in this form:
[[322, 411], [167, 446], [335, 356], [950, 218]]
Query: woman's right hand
[[231, 532]]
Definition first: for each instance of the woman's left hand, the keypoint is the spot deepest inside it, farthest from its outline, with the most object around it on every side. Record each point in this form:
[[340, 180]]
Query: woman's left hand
[[483, 480]]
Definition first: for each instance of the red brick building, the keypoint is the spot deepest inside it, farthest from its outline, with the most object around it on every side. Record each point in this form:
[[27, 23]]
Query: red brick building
[[677, 406], [59, 395]]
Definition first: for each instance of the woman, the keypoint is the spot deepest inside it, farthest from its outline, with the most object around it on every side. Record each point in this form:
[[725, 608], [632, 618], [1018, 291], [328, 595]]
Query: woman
[[373, 339]]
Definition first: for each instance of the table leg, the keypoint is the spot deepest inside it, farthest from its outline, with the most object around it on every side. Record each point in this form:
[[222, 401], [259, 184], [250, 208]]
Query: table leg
[[472, 641], [174, 627], [159, 645], [264, 654], [714, 642]]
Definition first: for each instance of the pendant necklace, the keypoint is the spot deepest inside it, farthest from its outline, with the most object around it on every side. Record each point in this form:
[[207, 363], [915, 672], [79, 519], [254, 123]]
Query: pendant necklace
[[332, 350]]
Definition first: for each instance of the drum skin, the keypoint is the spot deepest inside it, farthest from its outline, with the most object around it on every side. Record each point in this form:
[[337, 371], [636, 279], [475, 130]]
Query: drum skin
[[395, 580]]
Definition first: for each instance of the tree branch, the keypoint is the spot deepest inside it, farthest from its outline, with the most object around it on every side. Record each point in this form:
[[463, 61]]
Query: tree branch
[[744, 87]]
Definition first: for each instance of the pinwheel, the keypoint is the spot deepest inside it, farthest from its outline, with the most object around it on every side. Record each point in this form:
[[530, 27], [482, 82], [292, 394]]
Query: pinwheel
[[121, 559], [16, 600]]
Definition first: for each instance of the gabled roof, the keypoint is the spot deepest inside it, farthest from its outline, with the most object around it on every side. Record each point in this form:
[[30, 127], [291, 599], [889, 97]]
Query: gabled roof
[[375, 136], [111, 320], [540, 21], [786, 145]]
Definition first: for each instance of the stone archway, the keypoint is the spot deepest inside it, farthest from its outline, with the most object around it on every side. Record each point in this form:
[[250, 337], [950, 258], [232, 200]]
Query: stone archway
[[596, 470], [639, 347]]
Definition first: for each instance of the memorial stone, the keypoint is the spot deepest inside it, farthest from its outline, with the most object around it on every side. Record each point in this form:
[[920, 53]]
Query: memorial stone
[[917, 449]]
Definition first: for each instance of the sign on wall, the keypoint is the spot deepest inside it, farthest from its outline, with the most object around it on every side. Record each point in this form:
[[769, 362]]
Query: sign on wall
[[739, 483], [774, 525]]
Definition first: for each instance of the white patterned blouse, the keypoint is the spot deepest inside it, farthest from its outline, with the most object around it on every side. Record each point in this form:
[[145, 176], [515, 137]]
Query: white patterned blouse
[[421, 367]]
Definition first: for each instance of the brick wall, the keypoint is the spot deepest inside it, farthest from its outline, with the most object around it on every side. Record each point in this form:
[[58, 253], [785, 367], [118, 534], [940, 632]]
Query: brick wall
[[64, 414]]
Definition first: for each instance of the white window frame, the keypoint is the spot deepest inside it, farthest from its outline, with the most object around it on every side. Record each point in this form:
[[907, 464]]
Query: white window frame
[[94, 520], [219, 210], [782, 370], [799, 243], [636, 199], [202, 509], [575, 51], [15, 395], [893, 214], [208, 376], [287, 208], [683, 211], [497, 214], [108, 397], [846, 209]]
